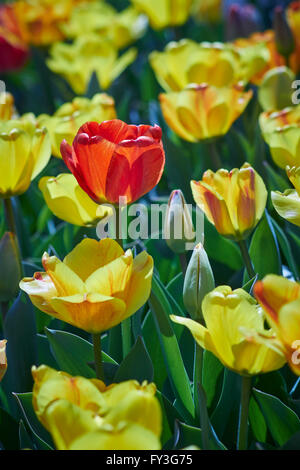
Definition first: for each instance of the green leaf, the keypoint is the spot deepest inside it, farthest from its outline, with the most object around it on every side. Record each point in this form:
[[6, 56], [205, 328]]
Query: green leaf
[[73, 353], [282, 422], [187, 435], [286, 248], [20, 332], [264, 251], [10, 268], [40, 436], [212, 373], [177, 374], [169, 416], [216, 246], [293, 443], [8, 431], [136, 365], [25, 441], [155, 351], [257, 421], [225, 416]]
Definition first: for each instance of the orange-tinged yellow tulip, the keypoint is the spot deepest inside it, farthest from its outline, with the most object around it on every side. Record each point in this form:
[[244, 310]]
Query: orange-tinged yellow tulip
[[7, 108], [89, 53], [69, 202], [66, 121], [281, 131], [260, 48], [25, 150], [122, 28], [293, 16], [95, 287], [287, 204], [234, 326], [3, 360], [164, 13], [233, 201], [280, 299], [187, 61], [74, 409], [201, 111], [40, 20], [209, 11]]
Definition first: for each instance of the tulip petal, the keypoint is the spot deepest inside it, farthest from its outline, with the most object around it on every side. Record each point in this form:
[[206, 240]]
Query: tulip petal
[[91, 312], [287, 205], [66, 281], [129, 437], [98, 254], [112, 279], [199, 332], [67, 422], [140, 283], [41, 289]]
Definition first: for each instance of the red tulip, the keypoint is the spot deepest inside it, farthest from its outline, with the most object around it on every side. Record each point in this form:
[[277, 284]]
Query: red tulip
[[114, 159], [13, 50]]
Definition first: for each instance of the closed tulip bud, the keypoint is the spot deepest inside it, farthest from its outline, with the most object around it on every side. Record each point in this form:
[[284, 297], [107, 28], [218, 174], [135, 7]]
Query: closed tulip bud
[[275, 90], [199, 281], [3, 360], [10, 269], [283, 34], [241, 21], [178, 228]]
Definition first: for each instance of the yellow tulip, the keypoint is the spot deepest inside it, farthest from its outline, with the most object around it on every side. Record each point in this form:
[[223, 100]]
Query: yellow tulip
[[84, 413], [164, 13], [280, 299], [3, 360], [187, 61], [95, 287], [233, 201], [122, 28], [51, 385], [7, 107], [69, 202], [201, 111], [89, 53], [209, 11], [275, 89], [234, 325], [281, 131], [287, 204], [72, 429], [293, 16], [25, 150], [66, 121]]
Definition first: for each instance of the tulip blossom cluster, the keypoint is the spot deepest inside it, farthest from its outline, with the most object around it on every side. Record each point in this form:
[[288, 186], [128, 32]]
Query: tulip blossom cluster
[[149, 225]]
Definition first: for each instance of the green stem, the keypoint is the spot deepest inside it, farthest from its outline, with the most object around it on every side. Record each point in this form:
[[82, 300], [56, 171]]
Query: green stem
[[197, 377], [4, 310], [214, 155], [242, 440], [98, 356], [247, 259], [12, 227], [126, 324]]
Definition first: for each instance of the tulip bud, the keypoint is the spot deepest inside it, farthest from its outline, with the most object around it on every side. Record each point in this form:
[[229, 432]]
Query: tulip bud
[[178, 228], [275, 90], [3, 360], [283, 34], [10, 269], [242, 21], [199, 281]]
